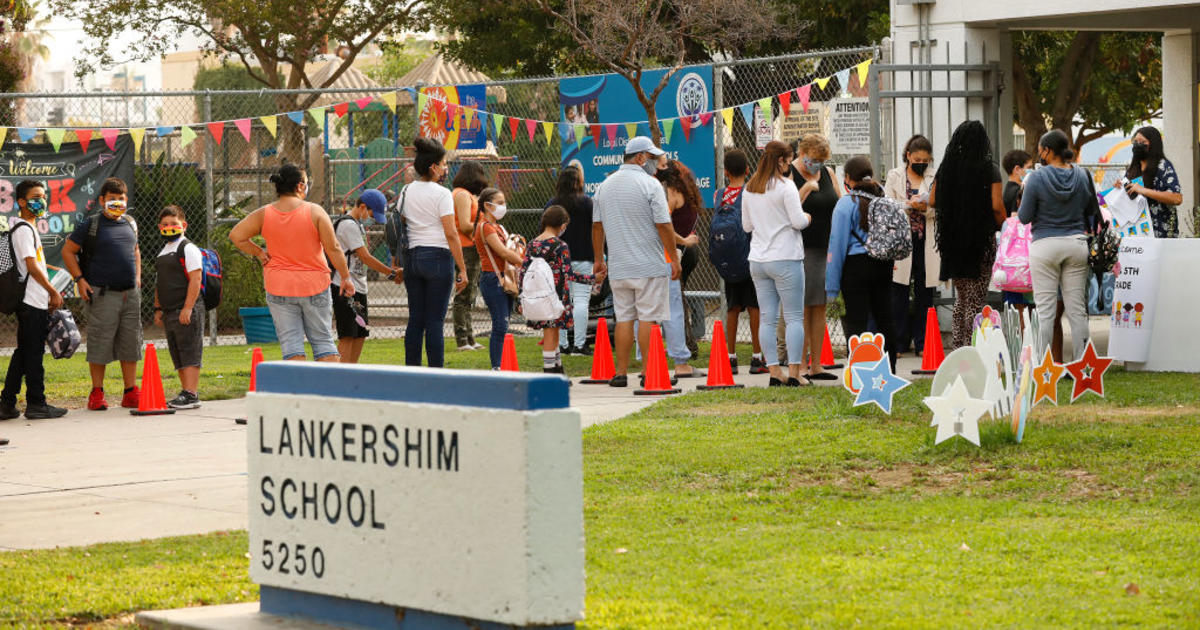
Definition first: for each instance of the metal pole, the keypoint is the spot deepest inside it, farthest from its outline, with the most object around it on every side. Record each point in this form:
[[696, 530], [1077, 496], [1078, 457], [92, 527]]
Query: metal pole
[[873, 109], [719, 123], [209, 210]]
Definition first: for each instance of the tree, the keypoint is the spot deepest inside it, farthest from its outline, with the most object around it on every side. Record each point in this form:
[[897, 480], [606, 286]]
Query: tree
[[273, 39], [1087, 84], [629, 39], [398, 58]]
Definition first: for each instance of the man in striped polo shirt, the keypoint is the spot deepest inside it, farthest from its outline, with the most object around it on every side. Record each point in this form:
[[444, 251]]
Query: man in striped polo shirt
[[631, 215]]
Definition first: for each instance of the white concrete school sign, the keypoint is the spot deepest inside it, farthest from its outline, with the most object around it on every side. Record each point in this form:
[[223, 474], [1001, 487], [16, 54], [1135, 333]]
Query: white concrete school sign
[[383, 493]]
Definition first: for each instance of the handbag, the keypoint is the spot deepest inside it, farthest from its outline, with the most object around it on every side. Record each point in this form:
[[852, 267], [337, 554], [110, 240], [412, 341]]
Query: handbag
[[507, 283]]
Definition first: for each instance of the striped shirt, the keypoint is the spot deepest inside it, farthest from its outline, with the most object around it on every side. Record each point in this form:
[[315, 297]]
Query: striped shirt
[[630, 204]]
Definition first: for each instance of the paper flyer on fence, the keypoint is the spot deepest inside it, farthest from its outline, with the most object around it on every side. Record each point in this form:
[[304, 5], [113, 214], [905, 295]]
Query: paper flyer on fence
[[1134, 300]]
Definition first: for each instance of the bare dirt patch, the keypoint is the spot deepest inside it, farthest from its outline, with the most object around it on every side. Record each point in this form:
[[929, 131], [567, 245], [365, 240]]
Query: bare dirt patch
[[1068, 414]]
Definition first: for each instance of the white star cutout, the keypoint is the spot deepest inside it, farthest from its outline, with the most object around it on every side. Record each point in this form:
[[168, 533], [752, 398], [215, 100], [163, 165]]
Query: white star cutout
[[956, 413]]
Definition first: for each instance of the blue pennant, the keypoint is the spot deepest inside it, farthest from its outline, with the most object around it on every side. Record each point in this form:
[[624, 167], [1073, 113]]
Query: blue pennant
[[163, 132], [748, 114], [878, 384], [297, 117], [843, 77], [26, 133]]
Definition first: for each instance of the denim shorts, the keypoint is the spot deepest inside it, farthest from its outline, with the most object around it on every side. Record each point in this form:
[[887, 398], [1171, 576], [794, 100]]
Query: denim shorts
[[299, 317]]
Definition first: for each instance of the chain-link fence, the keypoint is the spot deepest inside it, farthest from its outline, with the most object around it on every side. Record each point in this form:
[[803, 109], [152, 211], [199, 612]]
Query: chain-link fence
[[216, 182]]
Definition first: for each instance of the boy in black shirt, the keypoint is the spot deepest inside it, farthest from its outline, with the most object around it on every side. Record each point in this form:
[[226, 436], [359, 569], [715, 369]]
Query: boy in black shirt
[[177, 304]]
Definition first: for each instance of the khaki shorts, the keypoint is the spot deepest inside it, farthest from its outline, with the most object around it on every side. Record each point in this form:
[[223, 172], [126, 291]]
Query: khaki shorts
[[641, 299], [114, 327]]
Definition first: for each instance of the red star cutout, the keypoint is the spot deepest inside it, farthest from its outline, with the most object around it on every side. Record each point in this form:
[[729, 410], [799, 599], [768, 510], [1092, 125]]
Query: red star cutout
[[1089, 373], [1045, 379]]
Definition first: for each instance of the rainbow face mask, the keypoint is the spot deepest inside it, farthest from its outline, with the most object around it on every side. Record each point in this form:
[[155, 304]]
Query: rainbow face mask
[[114, 209], [37, 207], [171, 233]]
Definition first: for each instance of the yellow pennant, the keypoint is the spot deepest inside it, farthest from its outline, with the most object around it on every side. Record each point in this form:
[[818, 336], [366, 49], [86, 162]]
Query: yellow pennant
[[727, 116], [389, 99], [548, 129], [3, 134], [863, 69], [821, 83], [137, 135], [631, 129], [270, 122]]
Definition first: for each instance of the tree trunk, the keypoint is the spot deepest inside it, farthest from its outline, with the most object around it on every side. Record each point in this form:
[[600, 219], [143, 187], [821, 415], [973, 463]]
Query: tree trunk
[[1029, 115]]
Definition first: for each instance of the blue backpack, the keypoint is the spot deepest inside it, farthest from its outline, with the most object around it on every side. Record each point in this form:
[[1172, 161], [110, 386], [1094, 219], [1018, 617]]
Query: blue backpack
[[210, 274], [728, 243]]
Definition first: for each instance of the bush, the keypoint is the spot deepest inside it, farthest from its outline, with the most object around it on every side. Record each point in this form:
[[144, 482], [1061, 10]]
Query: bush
[[242, 284]]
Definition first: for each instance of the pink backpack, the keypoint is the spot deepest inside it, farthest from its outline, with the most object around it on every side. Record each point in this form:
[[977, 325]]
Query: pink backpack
[[1011, 269]]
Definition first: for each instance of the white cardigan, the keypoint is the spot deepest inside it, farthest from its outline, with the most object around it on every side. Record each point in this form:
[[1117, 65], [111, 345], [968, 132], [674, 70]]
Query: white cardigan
[[894, 188]]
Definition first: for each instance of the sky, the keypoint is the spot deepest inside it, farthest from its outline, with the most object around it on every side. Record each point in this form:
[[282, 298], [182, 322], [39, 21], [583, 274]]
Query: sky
[[68, 37]]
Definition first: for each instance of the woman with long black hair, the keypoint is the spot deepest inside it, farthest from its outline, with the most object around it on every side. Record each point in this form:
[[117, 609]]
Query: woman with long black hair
[[578, 237], [1160, 183], [968, 197]]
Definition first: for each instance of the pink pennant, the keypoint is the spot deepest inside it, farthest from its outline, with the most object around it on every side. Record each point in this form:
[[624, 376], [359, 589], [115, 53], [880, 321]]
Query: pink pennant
[[85, 136], [531, 127], [785, 100], [596, 135], [452, 113], [611, 130], [243, 125], [110, 137], [363, 102], [705, 118], [217, 130], [804, 92], [341, 108], [686, 123], [513, 123]]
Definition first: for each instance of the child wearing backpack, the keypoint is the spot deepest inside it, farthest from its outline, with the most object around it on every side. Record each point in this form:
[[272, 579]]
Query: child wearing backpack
[[536, 299], [178, 307], [729, 251]]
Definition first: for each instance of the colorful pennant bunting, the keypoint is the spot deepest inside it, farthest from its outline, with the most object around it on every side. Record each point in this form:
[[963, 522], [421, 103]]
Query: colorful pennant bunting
[[531, 127], [513, 124], [243, 125], [864, 69], [270, 122], [341, 109], [296, 117], [548, 130], [805, 93], [110, 137], [748, 114], [727, 116], [362, 103], [498, 119], [595, 129], [631, 130], [686, 123], [186, 135], [84, 136], [668, 125], [843, 77], [821, 83], [318, 114], [163, 132], [768, 110], [136, 134], [785, 103], [26, 134], [216, 130], [611, 132], [55, 136], [389, 99]]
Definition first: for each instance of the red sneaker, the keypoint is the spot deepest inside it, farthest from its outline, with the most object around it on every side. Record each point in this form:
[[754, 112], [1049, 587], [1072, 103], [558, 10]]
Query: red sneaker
[[96, 400], [131, 398]]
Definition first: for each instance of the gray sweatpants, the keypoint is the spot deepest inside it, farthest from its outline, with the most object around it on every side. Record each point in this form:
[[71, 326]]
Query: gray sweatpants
[[1060, 262]]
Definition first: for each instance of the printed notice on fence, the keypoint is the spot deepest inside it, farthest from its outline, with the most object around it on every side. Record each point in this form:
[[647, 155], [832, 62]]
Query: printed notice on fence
[[799, 123], [849, 121]]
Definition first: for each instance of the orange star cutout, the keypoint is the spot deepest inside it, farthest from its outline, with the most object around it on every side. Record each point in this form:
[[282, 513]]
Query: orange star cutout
[[1089, 373], [1045, 378]]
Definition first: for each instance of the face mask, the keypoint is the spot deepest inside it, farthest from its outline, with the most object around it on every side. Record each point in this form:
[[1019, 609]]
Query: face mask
[[1024, 177], [171, 233], [37, 207], [499, 210], [651, 168], [368, 220], [812, 166], [115, 208], [919, 168], [1140, 150]]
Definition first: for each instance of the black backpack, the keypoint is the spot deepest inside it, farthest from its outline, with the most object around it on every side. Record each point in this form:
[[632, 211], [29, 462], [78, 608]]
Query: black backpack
[[396, 231], [337, 221], [728, 243], [12, 285]]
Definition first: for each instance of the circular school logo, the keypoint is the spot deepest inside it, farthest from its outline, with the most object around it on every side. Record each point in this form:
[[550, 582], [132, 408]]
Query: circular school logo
[[692, 96]]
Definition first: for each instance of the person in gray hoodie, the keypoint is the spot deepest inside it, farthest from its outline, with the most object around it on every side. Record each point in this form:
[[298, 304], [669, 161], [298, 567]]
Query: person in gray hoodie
[[1057, 203]]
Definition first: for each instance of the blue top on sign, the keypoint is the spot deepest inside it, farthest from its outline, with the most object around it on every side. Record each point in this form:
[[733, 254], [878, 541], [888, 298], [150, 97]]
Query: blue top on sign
[[468, 388]]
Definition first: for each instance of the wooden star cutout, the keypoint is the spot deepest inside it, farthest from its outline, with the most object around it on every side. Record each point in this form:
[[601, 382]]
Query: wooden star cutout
[[1088, 372], [1045, 379]]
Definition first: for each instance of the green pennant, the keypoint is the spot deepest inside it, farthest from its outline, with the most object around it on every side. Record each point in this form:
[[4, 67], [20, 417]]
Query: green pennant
[[766, 107], [318, 114], [499, 120], [668, 126], [55, 135]]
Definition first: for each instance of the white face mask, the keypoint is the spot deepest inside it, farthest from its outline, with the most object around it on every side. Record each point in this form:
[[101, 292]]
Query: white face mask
[[499, 210]]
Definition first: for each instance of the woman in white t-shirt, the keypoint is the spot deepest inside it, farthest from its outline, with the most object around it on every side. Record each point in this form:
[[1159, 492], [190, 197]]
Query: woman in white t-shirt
[[771, 212], [434, 254]]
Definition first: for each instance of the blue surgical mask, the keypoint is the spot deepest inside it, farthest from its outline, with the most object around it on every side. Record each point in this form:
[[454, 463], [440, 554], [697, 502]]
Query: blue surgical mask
[[813, 166], [37, 207]]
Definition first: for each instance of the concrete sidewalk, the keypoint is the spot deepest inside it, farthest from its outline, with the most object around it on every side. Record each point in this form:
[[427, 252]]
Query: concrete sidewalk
[[108, 476]]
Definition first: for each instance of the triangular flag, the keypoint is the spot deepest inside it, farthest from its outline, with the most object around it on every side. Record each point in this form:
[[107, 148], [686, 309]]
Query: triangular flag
[[611, 131], [531, 127], [270, 123], [55, 136], [668, 126], [513, 124], [341, 109], [318, 114], [686, 123], [84, 136], [863, 69], [137, 134], [186, 135], [26, 133], [3, 134], [727, 116], [389, 99], [843, 77], [548, 129], [296, 117], [595, 129], [468, 117], [580, 133], [748, 114], [768, 111], [631, 130], [498, 119], [785, 102], [705, 118], [565, 132], [216, 130], [821, 83], [163, 132], [452, 114], [805, 93], [243, 125], [422, 98], [110, 137], [363, 102]]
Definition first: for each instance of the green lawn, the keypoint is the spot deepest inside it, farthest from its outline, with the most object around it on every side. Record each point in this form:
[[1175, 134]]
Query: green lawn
[[789, 508]]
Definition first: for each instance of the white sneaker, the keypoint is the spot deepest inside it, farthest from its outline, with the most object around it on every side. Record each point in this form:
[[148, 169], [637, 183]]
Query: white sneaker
[[477, 346], [467, 348]]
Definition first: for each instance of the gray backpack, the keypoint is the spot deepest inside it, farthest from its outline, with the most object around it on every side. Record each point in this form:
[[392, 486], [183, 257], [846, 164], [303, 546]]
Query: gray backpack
[[889, 235], [63, 337]]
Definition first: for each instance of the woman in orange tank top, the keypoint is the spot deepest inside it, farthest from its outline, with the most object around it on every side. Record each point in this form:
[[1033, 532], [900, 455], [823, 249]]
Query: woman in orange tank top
[[470, 180], [299, 237]]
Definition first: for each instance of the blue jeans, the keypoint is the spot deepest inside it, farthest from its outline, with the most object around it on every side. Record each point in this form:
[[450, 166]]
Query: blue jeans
[[499, 305], [429, 281], [775, 282], [299, 317], [581, 295], [674, 333]]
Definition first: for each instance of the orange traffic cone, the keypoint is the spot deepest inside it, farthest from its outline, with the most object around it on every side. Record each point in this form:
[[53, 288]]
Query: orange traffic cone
[[256, 357], [827, 359], [720, 374], [932, 355], [508, 359], [152, 400], [602, 357], [658, 379]]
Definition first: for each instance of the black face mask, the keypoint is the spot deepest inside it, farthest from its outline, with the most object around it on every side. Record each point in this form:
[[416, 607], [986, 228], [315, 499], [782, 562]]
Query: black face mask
[[919, 168], [1140, 150]]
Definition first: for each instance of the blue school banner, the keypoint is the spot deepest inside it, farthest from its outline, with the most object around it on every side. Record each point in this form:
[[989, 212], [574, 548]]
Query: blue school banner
[[609, 99], [444, 120]]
